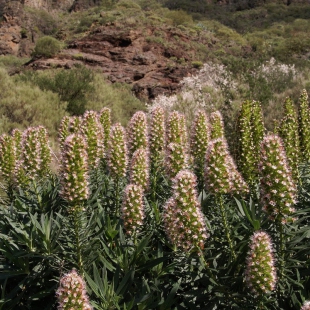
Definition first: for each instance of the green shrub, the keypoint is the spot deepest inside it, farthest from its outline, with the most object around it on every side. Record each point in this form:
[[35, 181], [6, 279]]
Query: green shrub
[[179, 17], [47, 47], [128, 4], [197, 64]]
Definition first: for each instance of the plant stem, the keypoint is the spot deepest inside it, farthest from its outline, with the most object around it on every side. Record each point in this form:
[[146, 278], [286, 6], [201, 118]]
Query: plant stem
[[220, 202], [77, 227], [117, 197]]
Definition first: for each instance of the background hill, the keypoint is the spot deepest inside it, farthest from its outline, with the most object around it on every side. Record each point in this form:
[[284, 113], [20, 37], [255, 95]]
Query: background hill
[[123, 54]]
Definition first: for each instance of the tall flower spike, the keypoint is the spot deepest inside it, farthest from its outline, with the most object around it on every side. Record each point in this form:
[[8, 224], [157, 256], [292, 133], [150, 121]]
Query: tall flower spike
[[200, 139], [92, 130], [306, 305], [105, 120], [288, 131], [74, 171], [278, 191], [176, 129], [137, 132], [118, 158], [17, 137], [7, 157], [183, 219], [304, 126], [217, 125], [68, 126], [221, 175], [260, 274], [157, 136], [176, 159], [71, 293], [45, 153], [133, 208], [250, 135], [139, 170]]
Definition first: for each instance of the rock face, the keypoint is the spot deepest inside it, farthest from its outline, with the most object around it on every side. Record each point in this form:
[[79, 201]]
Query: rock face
[[124, 56]]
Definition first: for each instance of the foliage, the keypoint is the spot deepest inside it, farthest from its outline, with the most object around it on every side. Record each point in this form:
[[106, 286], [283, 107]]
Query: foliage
[[47, 47]]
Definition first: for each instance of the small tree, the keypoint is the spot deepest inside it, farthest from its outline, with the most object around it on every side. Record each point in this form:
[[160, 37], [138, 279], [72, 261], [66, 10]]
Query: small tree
[[47, 47]]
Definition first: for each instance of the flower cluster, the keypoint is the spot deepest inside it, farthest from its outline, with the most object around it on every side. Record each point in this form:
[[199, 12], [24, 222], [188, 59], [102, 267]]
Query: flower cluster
[[304, 125], [118, 158], [45, 153], [139, 170], [306, 305], [74, 171], [137, 132], [92, 130], [260, 274], [157, 135], [71, 293], [176, 129], [105, 120], [176, 159], [183, 219], [133, 208], [278, 190], [68, 126], [17, 137], [250, 134], [200, 139], [288, 131], [221, 175], [217, 125], [7, 157]]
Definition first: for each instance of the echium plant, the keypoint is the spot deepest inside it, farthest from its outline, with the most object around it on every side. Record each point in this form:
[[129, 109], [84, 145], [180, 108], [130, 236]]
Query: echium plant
[[105, 120], [74, 172], [92, 130], [157, 135], [217, 125], [221, 174], [68, 126], [132, 211], [45, 153], [71, 293], [139, 169], [304, 126], [306, 305], [176, 129], [118, 157], [288, 131], [183, 219], [250, 135], [260, 274], [278, 190], [137, 132], [199, 142], [7, 158], [176, 159], [17, 137]]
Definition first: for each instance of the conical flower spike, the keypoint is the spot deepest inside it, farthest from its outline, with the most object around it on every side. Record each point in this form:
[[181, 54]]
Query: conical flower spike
[[176, 129], [260, 274], [278, 191], [17, 137], [176, 159], [200, 139], [288, 131], [118, 158], [157, 137], [137, 132], [68, 126], [221, 175], [305, 306], [217, 125], [139, 170], [92, 130], [304, 125], [71, 293], [250, 135], [105, 120], [74, 171], [45, 154], [7, 157], [133, 208], [183, 220]]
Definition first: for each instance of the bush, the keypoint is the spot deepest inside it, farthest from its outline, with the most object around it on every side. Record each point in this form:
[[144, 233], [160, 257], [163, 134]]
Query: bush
[[47, 47], [179, 17]]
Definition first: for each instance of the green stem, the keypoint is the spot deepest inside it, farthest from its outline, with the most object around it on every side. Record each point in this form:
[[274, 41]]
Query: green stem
[[117, 197], [281, 250], [220, 202], [77, 227]]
